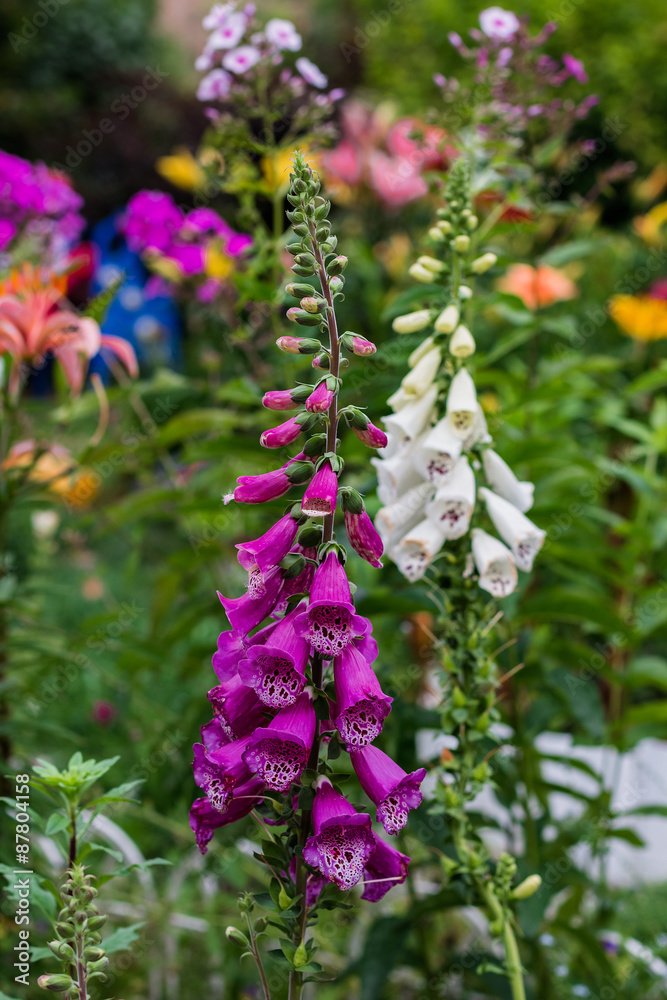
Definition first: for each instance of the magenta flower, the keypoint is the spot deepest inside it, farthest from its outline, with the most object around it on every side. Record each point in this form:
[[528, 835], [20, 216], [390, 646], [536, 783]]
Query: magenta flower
[[276, 670], [279, 753], [386, 784], [279, 399], [330, 622], [189, 258], [498, 23], [342, 842], [215, 86], [231, 648], [297, 584], [371, 436], [267, 551], [205, 818], [361, 704], [363, 537], [218, 772], [320, 398], [242, 59], [385, 868], [152, 221], [361, 347], [266, 486], [246, 612], [282, 435], [575, 68], [236, 707], [311, 73], [319, 499], [213, 736]]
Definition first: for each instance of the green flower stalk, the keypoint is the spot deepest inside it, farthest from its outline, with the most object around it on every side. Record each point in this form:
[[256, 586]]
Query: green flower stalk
[[438, 463]]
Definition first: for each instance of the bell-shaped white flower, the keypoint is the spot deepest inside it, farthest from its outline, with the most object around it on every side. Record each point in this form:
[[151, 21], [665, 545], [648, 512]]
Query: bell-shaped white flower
[[417, 549], [462, 405], [462, 342], [495, 564], [399, 399], [448, 319], [435, 455], [420, 351], [420, 378], [395, 520], [524, 538], [479, 432], [411, 419], [396, 476], [503, 481], [454, 502]]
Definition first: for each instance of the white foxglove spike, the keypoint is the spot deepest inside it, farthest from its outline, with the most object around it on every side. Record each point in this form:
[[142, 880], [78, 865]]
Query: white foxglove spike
[[523, 537], [454, 502], [416, 551], [396, 476], [462, 403], [435, 456], [421, 377], [495, 564], [420, 351], [412, 418], [501, 479], [462, 342], [395, 520]]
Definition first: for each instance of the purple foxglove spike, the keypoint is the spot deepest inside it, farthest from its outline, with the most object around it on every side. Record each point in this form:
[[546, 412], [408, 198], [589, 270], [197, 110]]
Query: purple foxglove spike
[[218, 773], [299, 584], [237, 708], [386, 784], [372, 436], [361, 705], [330, 622], [320, 398], [279, 399], [205, 818], [363, 537], [232, 648], [321, 494], [385, 868], [266, 552], [279, 752], [246, 612], [214, 736], [282, 435], [276, 670], [267, 486], [342, 841]]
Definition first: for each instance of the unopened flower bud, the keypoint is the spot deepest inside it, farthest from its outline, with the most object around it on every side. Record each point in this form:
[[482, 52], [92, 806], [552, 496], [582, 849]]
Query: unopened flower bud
[[420, 273], [411, 322], [297, 289], [483, 263], [284, 901], [447, 320], [462, 343], [465, 293], [358, 345], [313, 304], [436, 234], [527, 888], [337, 265], [472, 222], [430, 263], [445, 227], [298, 345], [300, 956], [337, 284], [322, 362], [303, 318], [57, 984], [237, 937], [461, 243]]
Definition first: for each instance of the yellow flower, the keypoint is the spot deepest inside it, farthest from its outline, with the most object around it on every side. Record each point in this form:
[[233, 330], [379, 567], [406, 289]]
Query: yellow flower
[[181, 169], [651, 227], [218, 264], [276, 168], [640, 316]]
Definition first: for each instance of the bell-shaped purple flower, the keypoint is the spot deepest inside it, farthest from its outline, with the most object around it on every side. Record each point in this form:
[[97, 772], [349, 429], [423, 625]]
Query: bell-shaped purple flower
[[276, 669], [282, 435], [279, 399], [266, 552], [268, 485], [300, 584], [371, 436], [232, 648], [342, 842], [363, 537], [385, 868], [205, 818], [330, 622], [393, 791], [246, 612], [279, 752], [219, 772], [237, 708], [213, 735], [321, 397], [361, 704], [319, 499]]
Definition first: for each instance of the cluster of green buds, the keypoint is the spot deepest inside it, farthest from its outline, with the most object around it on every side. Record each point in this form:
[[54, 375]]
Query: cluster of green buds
[[78, 942]]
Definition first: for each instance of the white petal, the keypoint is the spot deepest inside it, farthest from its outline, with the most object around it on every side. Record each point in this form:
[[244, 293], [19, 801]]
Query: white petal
[[454, 502], [396, 476], [462, 403], [495, 564], [420, 378], [478, 431], [501, 478], [435, 456], [416, 551], [523, 537], [420, 351], [462, 342], [394, 521], [412, 418]]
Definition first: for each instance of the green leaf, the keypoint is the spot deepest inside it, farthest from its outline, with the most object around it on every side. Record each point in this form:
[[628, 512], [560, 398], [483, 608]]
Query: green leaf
[[646, 671], [566, 252], [128, 869], [122, 938], [56, 823]]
